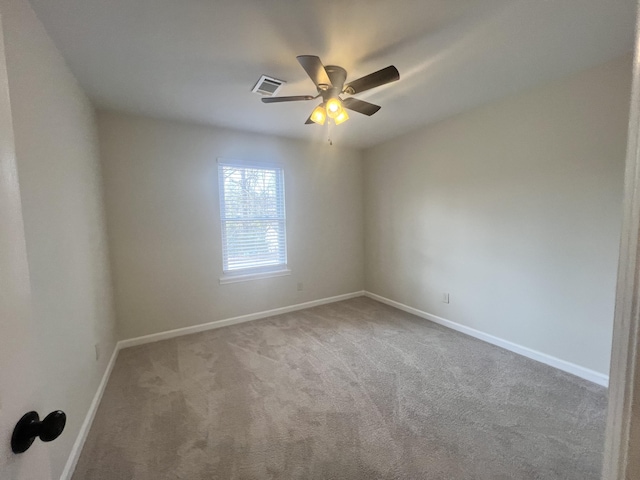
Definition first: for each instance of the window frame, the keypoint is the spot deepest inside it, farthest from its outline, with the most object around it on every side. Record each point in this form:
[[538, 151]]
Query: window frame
[[264, 271]]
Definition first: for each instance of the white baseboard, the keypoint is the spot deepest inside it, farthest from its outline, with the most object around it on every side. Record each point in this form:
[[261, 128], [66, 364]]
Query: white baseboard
[[563, 365], [178, 332], [76, 450]]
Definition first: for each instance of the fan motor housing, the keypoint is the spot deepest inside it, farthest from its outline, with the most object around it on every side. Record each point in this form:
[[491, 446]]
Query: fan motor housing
[[337, 75]]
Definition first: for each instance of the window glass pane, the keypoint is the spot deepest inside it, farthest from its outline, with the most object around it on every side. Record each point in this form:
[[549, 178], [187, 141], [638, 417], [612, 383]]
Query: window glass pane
[[253, 218]]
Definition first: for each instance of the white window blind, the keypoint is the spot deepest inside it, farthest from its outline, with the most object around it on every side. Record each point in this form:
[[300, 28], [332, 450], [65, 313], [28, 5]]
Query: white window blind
[[253, 218]]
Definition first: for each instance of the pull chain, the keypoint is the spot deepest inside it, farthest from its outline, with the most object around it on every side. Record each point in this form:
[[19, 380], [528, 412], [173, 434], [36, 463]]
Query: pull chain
[[329, 132]]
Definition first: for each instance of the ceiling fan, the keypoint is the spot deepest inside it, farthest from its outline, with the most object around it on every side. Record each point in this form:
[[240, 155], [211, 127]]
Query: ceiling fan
[[329, 82]]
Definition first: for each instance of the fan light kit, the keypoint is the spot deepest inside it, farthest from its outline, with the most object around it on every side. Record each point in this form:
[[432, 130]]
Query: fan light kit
[[329, 82]]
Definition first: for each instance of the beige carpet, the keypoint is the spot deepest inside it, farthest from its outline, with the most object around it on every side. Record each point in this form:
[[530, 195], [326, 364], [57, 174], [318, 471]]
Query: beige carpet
[[351, 390]]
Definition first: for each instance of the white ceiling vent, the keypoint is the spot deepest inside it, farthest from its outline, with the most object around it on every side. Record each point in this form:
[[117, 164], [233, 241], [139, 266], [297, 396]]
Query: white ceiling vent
[[267, 86]]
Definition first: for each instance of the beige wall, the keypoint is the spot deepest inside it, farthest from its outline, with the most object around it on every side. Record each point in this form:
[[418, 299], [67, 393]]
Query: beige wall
[[164, 222], [59, 174], [515, 210]]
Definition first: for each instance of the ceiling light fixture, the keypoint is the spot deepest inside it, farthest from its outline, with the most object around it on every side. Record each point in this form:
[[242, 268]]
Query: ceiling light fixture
[[342, 117], [319, 115], [333, 109]]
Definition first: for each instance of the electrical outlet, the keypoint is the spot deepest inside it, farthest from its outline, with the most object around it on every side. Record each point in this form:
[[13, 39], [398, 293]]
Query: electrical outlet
[[300, 286], [97, 346], [445, 298]]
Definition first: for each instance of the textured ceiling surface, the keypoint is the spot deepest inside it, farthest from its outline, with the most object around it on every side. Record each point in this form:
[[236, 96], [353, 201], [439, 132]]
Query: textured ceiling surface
[[197, 60]]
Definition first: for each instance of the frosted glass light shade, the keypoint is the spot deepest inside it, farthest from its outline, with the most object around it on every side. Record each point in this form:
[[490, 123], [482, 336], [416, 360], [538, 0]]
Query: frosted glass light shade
[[334, 106], [341, 117], [319, 115]]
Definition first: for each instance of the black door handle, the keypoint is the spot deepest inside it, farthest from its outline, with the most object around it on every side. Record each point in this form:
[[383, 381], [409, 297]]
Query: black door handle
[[29, 427]]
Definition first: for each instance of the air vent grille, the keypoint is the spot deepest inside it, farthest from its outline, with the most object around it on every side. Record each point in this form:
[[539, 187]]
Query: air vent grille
[[267, 86]]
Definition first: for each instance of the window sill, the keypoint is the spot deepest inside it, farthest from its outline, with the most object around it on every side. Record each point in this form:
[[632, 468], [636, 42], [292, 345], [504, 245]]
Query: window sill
[[253, 276]]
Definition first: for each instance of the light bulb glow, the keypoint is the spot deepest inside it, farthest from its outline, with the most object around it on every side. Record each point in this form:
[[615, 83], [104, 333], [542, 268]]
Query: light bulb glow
[[334, 106], [341, 117], [319, 115]]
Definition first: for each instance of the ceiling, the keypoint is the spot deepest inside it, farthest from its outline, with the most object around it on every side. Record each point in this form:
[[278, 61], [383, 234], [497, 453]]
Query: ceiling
[[197, 60]]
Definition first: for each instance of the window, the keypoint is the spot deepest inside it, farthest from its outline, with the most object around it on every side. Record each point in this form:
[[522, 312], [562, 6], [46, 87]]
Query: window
[[253, 220]]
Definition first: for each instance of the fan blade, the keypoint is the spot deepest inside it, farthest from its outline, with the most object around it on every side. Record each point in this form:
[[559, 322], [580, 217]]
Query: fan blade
[[314, 68], [360, 106], [287, 99], [309, 121], [375, 79]]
